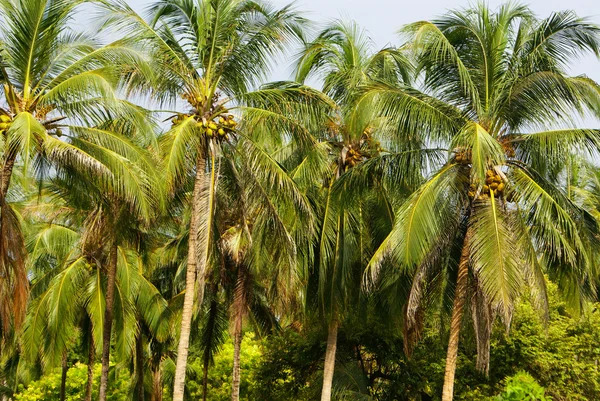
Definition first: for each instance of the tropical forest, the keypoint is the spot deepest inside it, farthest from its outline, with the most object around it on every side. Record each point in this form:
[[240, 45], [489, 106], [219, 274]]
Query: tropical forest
[[413, 222]]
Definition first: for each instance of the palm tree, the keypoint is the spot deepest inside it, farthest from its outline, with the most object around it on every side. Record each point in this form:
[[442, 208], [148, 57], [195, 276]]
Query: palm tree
[[495, 84], [69, 263], [55, 82], [211, 53], [351, 185]]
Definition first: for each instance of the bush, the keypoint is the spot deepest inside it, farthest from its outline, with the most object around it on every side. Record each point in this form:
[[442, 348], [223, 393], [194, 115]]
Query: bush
[[47, 388], [523, 387]]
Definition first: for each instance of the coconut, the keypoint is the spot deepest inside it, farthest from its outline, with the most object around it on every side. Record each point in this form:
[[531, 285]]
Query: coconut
[[209, 132]]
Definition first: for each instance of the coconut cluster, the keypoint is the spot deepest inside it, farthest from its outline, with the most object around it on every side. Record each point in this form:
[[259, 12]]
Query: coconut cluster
[[493, 182], [220, 127], [5, 122], [463, 156], [353, 157]]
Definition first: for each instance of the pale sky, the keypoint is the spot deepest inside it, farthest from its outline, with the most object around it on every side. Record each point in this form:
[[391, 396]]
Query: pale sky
[[382, 18]]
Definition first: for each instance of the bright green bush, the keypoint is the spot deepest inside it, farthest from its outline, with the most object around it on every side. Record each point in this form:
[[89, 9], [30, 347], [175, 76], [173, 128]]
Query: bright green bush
[[47, 388], [523, 387]]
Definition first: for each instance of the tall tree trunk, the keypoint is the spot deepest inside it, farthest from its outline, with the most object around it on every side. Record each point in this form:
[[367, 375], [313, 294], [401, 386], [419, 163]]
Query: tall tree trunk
[[207, 350], [7, 169], [204, 381], [239, 305], [63, 376], [14, 283], [139, 366], [90, 369], [237, 347], [193, 273], [457, 314], [108, 319], [157, 389], [483, 317], [329, 365]]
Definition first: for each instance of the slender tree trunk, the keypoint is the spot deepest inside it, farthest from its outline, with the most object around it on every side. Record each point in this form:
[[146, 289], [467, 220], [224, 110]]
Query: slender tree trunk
[[190, 286], [239, 305], [204, 381], [90, 369], [483, 317], [157, 389], [108, 318], [457, 314], [237, 347], [329, 366], [139, 366], [6, 175], [63, 376]]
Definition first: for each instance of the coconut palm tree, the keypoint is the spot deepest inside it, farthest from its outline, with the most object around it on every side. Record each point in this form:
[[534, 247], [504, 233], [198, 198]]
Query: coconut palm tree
[[212, 53], [73, 220], [495, 90], [55, 83], [352, 183]]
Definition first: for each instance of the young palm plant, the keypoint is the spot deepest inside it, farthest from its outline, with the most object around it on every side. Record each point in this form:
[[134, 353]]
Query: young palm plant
[[55, 83], [211, 53], [496, 85]]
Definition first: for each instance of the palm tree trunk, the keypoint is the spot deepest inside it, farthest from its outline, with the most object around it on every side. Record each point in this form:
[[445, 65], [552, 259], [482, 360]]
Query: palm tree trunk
[[239, 304], [63, 376], [329, 366], [204, 381], [156, 384], [6, 175], [108, 317], [237, 347], [139, 366], [457, 314], [190, 286], [90, 369], [483, 317]]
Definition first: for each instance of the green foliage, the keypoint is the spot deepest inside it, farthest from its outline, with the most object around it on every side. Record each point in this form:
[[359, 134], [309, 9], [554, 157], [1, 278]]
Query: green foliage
[[48, 387], [522, 387], [219, 374]]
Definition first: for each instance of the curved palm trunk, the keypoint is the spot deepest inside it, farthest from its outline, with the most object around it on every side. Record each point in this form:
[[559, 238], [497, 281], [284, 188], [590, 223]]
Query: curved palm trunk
[[329, 365], [108, 318], [90, 369], [63, 376], [202, 205], [457, 314]]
